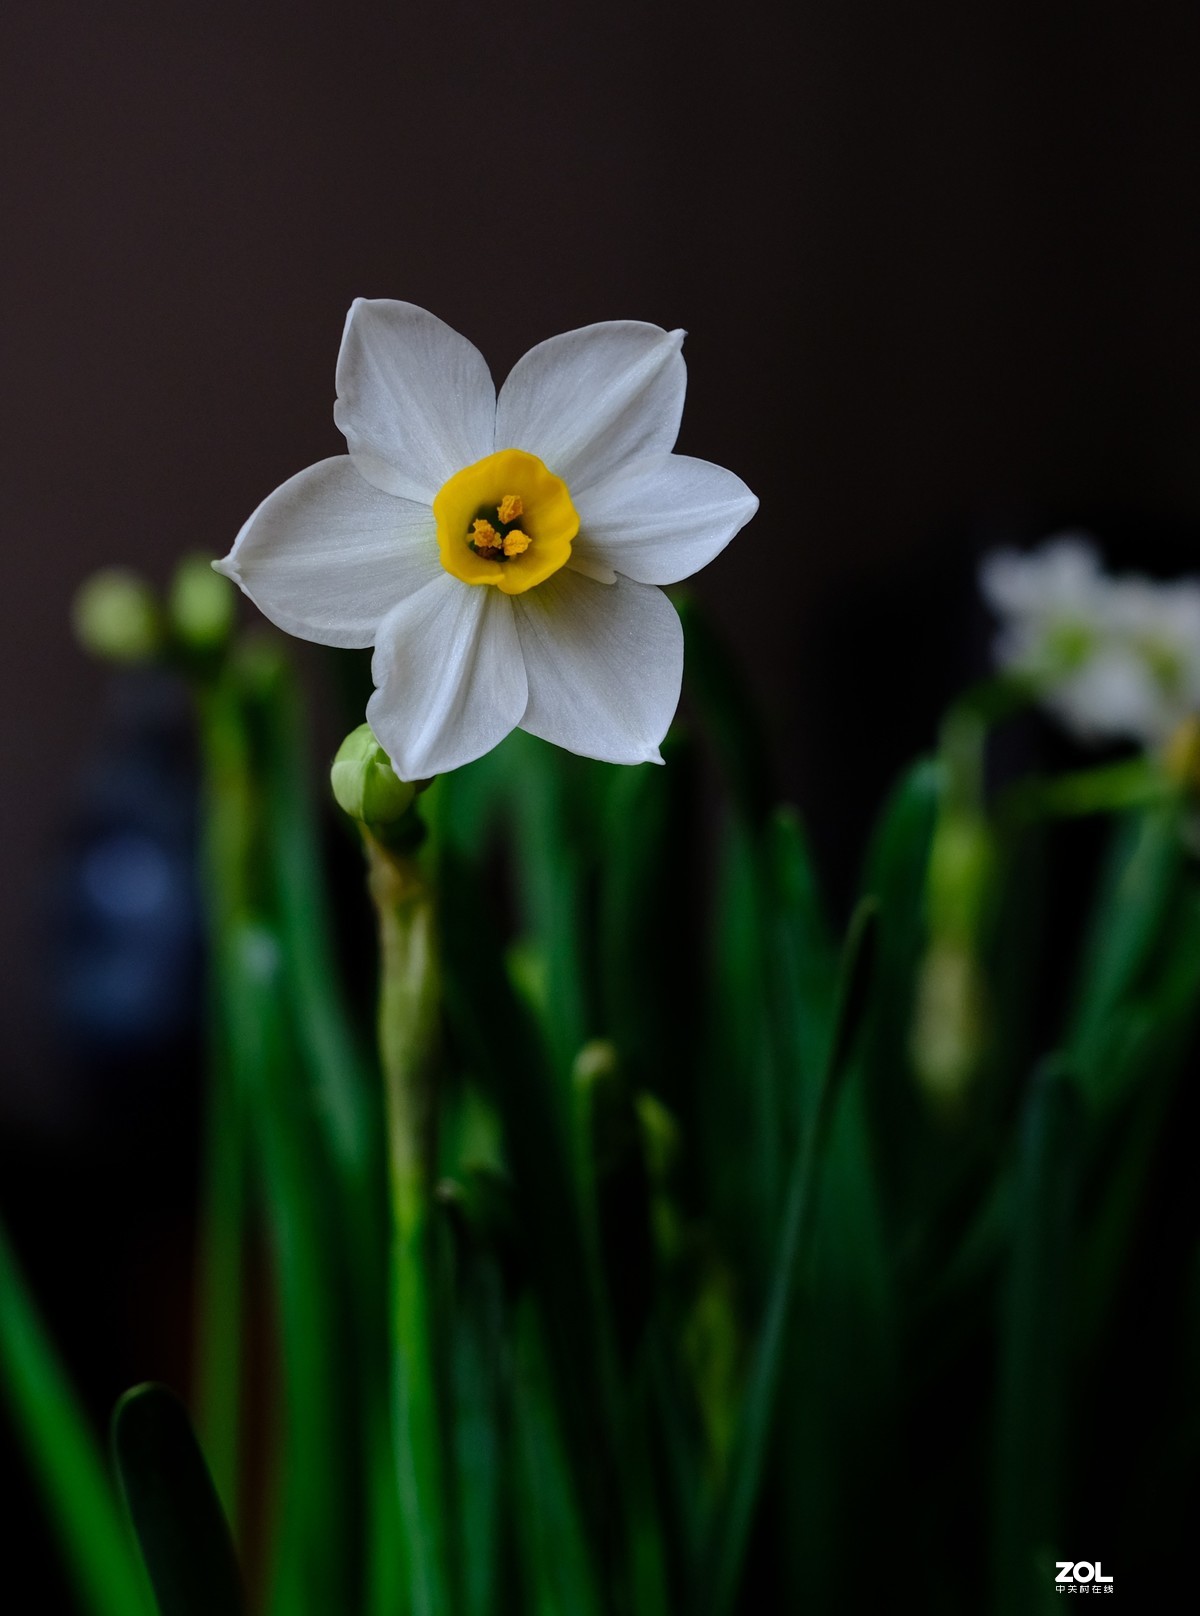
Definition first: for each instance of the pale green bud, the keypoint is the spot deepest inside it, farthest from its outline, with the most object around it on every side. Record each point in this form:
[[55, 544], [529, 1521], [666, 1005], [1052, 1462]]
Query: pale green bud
[[202, 605], [660, 1136], [949, 1024], [364, 783], [597, 1062], [117, 617]]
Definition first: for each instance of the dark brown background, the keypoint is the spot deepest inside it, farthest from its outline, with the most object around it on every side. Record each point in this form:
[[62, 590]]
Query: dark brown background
[[939, 261]]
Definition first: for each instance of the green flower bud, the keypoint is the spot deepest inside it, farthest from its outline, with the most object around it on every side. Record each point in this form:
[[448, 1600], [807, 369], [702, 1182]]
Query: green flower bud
[[364, 783], [596, 1063], [202, 605], [660, 1136], [949, 1030], [117, 617]]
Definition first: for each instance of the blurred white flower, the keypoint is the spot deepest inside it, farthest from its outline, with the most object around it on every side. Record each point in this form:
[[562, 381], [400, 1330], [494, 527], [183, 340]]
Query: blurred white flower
[[501, 553], [1115, 658]]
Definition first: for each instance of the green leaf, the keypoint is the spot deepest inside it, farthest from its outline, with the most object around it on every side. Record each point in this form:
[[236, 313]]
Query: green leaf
[[836, 1400], [477, 1375], [345, 1084], [230, 823], [801, 966], [732, 1523], [1151, 1042], [174, 1508], [741, 1090], [508, 1058], [336, 1096], [557, 1566], [64, 1456], [1031, 1387], [317, 1565], [1139, 885]]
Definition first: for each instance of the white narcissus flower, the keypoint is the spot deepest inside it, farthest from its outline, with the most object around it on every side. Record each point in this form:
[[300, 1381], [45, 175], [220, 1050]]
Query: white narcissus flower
[[1115, 658], [1158, 627], [501, 553]]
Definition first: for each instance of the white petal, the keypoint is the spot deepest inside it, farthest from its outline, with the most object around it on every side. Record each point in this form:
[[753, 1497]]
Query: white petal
[[1113, 697], [327, 556], [591, 567], [1061, 575], [592, 400], [663, 519], [415, 400], [604, 662], [450, 675]]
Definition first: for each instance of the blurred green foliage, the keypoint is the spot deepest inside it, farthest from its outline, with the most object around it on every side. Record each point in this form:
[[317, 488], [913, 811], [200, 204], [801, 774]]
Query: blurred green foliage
[[754, 1248]]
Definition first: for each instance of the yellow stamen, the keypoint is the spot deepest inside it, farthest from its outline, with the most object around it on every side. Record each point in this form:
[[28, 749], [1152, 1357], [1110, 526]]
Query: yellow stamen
[[510, 507], [511, 558]]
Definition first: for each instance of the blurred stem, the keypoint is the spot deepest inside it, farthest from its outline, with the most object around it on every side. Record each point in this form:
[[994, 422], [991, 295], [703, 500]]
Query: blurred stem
[[961, 752], [340, 1071], [64, 1456], [1030, 1390], [999, 697], [408, 1012], [345, 1106], [1132, 783], [228, 810], [313, 1552]]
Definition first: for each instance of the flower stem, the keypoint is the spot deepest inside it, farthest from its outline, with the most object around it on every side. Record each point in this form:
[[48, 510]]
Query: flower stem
[[227, 829], [1137, 782], [408, 1009]]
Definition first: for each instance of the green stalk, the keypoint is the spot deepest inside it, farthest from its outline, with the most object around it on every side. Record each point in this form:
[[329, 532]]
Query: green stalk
[[510, 1059], [65, 1456], [228, 810], [480, 1369], [258, 1099], [557, 1568], [342, 1076], [408, 1013], [1132, 783], [313, 1571]]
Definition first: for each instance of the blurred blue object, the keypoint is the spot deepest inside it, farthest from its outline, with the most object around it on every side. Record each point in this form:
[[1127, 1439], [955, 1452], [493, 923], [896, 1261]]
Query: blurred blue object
[[125, 957]]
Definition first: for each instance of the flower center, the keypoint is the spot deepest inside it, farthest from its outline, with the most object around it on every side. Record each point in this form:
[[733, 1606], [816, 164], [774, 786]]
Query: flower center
[[506, 520]]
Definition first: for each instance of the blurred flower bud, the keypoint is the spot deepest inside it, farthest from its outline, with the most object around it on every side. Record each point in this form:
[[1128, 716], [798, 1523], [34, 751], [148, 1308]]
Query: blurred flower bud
[[950, 1014], [949, 1023], [116, 617], [201, 605], [596, 1062], [365, 785]]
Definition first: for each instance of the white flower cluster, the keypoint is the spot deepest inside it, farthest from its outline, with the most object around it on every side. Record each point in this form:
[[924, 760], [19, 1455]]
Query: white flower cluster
[[1114, 658]]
